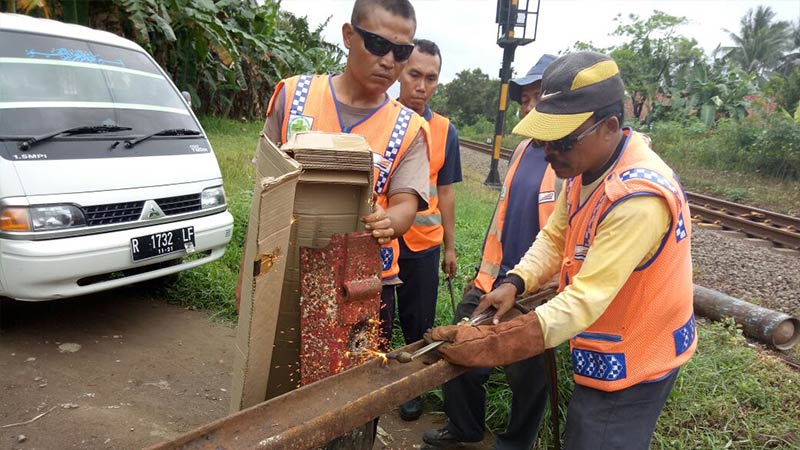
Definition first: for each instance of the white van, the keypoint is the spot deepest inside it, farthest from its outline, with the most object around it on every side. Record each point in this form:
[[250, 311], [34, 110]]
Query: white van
[[106, 176]]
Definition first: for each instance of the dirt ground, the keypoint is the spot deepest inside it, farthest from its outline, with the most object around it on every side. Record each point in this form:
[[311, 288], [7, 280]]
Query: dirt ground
[[119, 370]]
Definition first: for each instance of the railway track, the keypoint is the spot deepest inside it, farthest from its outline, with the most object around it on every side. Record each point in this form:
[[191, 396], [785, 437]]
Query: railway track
[[780, 229]]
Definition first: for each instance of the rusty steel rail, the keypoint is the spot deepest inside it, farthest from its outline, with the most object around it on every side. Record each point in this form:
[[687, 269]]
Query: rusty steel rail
[[780, 236], [484, 148], [313, 415], [781, 229]]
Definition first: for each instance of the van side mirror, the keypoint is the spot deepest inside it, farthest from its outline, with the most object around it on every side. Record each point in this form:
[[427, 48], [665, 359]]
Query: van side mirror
[[187, 96]]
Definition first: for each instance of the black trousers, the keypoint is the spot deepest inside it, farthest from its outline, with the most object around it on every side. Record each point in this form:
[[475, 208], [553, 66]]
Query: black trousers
[[621, 420], [465, 396], [416, 297]]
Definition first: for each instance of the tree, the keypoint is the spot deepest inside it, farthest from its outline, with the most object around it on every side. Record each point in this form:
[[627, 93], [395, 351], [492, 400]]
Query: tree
[[761, 42], [786, 91], [228, 53], [653, 57], [470, 96]]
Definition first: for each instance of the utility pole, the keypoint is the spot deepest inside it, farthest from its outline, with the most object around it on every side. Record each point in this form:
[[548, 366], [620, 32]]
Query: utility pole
[[512, 31]]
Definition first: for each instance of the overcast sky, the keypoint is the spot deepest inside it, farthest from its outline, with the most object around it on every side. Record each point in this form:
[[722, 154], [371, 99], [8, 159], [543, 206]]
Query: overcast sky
[[466, 33]]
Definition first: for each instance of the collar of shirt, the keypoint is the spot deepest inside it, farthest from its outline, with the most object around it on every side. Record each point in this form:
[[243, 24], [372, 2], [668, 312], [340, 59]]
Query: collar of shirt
[[427, 113]]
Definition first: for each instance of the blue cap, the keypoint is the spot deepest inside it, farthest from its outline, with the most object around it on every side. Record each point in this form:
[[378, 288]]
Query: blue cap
[[533, 75]]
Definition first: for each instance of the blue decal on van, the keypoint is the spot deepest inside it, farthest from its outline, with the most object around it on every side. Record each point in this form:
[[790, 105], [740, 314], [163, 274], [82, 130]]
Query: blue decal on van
[[66, 54]]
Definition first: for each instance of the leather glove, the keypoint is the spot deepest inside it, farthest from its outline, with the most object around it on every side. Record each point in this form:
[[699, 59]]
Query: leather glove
[[491, 345]]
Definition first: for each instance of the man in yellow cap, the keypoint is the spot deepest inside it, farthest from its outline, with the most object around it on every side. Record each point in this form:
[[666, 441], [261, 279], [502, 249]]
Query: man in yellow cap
[[619, 241]]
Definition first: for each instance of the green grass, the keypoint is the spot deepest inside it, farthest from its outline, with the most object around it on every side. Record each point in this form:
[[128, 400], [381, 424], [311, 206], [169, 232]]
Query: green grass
[[729, 396], [212, 286]]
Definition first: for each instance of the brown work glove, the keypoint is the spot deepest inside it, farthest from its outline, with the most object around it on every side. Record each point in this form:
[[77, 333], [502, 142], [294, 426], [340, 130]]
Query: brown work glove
[[491, 345]]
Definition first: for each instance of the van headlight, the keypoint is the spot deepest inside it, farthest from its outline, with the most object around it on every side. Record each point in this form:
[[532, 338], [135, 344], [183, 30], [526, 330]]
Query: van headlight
[[212, 197], [41, 218]]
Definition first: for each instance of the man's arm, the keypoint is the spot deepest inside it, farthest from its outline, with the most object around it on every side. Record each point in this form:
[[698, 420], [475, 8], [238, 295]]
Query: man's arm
[[447, 176], [628, 237], [537, 266], [408, 193]]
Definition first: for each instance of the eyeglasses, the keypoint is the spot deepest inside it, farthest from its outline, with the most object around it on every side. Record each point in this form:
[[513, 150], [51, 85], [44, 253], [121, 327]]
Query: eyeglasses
[[566, 144], [380, 46]]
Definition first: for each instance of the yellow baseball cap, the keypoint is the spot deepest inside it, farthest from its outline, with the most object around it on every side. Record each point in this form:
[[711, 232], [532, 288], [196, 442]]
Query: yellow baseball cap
[[573, 88]]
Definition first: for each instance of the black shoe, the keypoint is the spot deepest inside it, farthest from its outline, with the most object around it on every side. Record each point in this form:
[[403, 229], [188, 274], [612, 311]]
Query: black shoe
[[411, 410], [443, 437]]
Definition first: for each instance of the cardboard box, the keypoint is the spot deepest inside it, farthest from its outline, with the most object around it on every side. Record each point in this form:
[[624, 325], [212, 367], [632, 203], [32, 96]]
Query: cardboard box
[[265, 253], [329, 197]]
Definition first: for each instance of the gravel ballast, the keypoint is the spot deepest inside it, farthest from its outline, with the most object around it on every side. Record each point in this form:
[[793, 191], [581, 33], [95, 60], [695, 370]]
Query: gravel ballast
[[731, 265]]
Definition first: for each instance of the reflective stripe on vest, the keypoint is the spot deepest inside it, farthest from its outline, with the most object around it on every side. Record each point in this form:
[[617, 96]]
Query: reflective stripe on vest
[[389, 131], [385, 164], [648, 329], [492, 256], [300, 94], [427, 231]]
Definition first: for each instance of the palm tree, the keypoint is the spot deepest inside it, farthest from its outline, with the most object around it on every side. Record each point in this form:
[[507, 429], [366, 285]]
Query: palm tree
[[761, 42]]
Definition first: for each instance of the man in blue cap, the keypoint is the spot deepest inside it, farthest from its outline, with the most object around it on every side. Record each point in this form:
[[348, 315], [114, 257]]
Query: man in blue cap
[[526, 201]]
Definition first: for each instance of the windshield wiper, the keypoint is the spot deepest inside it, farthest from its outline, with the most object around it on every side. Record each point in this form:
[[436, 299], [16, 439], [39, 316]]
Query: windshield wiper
[[27, 144], [167, 132]]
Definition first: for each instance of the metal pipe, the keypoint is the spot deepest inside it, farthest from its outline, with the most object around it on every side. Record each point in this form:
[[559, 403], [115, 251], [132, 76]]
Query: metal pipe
[[770, 327]]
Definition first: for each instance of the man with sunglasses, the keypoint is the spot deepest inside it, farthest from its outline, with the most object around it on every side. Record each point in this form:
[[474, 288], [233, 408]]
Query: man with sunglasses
[[379, 39], [525, 203], [420, 247], [619, 241]]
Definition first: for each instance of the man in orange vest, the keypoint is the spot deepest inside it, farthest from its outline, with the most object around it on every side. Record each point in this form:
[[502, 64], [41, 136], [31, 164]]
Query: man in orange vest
[[379, 39], [526, 201], [619, 241], [420, 246]]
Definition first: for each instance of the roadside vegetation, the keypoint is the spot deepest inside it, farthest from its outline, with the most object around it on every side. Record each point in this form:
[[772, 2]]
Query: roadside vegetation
[[731, 395], [729, 123]]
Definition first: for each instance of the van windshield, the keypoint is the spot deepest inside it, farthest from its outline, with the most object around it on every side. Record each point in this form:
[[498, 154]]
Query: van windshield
[[51, 83]]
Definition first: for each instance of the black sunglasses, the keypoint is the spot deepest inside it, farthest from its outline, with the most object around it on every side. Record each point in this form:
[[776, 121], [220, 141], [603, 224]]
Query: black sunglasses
[[566, 144], [380, 46]]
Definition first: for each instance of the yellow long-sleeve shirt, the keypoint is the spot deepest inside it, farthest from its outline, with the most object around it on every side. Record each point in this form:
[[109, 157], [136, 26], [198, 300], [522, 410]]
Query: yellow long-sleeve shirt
[[628, 236]]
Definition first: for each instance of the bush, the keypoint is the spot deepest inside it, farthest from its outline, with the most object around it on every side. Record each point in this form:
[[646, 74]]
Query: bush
[[768, 145]]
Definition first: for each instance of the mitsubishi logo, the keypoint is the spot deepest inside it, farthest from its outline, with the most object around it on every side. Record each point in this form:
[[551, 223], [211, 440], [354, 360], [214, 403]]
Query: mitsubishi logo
[[151, 211]]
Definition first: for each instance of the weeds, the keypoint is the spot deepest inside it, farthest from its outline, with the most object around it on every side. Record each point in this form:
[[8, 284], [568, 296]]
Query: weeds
[[729, 395]]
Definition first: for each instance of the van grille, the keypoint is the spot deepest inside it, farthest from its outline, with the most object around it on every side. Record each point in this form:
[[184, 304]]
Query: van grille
[[113, 213], [131, 211], [179, 205]]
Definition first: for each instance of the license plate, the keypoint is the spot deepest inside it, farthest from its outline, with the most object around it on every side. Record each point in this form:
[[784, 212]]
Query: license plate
[[150, 246]]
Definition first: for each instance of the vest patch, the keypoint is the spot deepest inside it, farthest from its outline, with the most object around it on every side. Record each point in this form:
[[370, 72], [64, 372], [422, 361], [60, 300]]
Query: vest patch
[[387, 256], [547, 197], [684, 336], [680, 229], [298, 123], [600, 366]]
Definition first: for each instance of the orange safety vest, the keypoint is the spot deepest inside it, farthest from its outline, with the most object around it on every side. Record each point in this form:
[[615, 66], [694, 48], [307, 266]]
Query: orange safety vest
[[389, 131], [427, 231], [493, 245], [648, 330]]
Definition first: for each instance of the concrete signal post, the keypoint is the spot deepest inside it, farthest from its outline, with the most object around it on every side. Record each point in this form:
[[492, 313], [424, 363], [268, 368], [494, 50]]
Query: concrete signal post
[[513, 30]]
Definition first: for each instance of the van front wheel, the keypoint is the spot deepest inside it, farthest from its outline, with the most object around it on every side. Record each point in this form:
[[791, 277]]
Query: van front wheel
[[6, 313]]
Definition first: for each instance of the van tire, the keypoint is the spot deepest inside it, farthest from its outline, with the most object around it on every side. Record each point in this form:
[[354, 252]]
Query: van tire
[[6, 313]]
